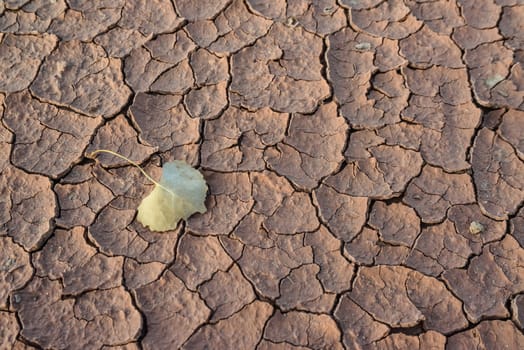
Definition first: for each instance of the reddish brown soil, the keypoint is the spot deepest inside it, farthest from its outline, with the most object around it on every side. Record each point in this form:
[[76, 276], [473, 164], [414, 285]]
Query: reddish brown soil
[[365, 162]]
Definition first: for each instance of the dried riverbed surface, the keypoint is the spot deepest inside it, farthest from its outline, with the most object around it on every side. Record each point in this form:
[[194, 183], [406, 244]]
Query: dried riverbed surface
[[365, 163]]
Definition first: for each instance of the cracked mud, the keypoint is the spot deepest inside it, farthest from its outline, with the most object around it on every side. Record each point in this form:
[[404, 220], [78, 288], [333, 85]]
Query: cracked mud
[[365, 163]]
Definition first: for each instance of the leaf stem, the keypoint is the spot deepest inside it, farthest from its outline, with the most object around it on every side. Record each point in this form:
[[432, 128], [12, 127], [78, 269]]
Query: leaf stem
[[94, 153]]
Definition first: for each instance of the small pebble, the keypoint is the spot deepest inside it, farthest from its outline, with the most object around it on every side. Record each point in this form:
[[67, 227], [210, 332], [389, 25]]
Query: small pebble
[[292, 22], [475, 227], [363, 46]]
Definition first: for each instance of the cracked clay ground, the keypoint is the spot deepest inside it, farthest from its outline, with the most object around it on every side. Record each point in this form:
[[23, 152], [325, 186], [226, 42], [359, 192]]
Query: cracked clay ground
[[365, 162]]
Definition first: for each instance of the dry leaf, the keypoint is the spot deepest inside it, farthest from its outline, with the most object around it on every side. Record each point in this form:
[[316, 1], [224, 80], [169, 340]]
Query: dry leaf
[[180, 193]]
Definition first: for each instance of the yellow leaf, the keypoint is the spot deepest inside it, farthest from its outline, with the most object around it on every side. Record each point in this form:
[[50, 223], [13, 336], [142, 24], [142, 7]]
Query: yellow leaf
[[180, 193]]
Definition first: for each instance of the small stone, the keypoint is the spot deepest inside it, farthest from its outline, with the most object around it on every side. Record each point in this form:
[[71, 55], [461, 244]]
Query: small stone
[[291, 22], [475, 227], [363, 46]]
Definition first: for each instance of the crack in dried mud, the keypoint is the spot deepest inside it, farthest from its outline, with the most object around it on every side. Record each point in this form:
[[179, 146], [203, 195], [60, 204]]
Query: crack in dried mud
[[348, 146]]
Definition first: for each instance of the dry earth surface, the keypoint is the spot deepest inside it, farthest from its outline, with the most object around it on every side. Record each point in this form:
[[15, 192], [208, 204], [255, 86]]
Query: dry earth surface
[[365, 162]]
